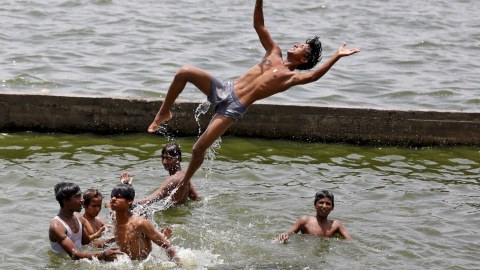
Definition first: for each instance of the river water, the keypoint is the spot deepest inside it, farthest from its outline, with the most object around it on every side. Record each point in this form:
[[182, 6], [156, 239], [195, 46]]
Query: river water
[[406, 207], [415, 54]]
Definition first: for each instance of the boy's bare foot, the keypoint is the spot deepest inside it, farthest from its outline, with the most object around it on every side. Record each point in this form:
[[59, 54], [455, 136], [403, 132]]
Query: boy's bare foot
[[158, 120]]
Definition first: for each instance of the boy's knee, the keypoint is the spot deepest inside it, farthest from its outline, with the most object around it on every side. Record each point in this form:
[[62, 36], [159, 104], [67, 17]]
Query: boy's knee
[[198, 151], [183, 71]]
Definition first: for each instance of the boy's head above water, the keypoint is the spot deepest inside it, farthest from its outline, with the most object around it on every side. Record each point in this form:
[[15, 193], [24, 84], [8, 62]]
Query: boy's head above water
[[324, 194], [92, 202], [123, 191], [64, 191], [91, 194]]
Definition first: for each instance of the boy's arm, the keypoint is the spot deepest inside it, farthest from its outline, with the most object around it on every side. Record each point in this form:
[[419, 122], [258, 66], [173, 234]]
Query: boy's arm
[[57, 233], [258, 23], [85, 236], [159, 194], [193, 193], [295, 229], [103, 243], [303, 78], [97, 234], [151, 233], [342, 231]]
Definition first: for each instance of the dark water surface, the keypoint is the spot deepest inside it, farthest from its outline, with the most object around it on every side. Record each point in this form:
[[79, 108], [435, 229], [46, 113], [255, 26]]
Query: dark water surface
[[418, 207]]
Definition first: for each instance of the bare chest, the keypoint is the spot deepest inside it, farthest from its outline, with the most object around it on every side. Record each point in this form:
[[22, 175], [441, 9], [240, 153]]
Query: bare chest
[[326, 229]]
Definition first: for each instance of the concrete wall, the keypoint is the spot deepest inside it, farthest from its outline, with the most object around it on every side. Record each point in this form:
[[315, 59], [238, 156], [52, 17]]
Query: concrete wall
[[306, 122]]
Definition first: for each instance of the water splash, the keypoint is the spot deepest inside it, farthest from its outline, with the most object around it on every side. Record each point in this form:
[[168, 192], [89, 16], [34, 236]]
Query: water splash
[[162, 130], [201, 109]]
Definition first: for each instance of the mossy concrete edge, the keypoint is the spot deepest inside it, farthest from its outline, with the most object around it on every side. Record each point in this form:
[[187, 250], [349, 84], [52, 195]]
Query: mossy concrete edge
[[268, 120]]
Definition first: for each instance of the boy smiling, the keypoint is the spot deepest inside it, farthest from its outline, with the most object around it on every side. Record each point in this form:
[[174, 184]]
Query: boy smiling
[[319, 224]]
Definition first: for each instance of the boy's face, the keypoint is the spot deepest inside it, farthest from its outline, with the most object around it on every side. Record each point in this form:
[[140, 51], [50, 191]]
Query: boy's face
[[299, 51], [75, 203], [324, 207], [93, 209], [170, 162], [118, 203]]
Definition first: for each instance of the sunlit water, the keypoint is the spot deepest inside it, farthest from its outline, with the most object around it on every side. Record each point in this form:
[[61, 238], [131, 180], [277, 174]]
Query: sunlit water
[[418, 207], [415, 54]]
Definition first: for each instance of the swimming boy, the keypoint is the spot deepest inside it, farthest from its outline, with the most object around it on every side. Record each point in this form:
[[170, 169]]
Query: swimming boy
[[66, 233], [231, 99], [133, 234], [92, 204], [319, 224], [171, 158]]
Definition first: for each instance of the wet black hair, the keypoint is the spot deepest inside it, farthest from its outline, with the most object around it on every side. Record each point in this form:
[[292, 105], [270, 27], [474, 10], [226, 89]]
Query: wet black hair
[[314, 54], [65, 190], [123, 191], [90, 194], [324, 194], [172, 149]]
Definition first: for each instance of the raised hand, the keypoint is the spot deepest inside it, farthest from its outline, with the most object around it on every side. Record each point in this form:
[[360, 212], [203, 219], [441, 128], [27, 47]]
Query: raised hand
[[345, 52], [167, 232], [124, 179]]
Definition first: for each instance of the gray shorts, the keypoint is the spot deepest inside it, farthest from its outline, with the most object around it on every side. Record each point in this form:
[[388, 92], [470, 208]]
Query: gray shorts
[[224, 99]]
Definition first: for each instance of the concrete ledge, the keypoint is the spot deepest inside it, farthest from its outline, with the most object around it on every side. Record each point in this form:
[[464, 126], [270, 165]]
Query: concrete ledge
[[305, 122]]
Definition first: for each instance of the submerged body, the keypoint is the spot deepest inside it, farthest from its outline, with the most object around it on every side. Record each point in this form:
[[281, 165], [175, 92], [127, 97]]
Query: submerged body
[[67, 233], [94, 224], [133, 234], [172, 187], [319, 224]]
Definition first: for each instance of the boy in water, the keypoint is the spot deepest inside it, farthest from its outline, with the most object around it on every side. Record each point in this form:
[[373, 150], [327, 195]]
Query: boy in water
[[324, 203], [134, 234], [171, 158], [94, 224], [66, 233], [231, 99]]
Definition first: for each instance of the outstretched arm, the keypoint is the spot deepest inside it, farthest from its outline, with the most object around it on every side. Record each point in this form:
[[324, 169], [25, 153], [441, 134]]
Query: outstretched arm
[[295, 229], [303, 78], [159, 194], [258, 23]]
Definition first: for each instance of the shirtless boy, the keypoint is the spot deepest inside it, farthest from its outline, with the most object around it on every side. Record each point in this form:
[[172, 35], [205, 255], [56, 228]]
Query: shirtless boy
[[94, 224], [324, 203], [171, 158], [231, 99], [134, 234], [66, 233]]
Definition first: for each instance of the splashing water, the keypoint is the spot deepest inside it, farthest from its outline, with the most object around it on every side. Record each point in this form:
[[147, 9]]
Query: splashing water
[[201, 109], [162, 130]]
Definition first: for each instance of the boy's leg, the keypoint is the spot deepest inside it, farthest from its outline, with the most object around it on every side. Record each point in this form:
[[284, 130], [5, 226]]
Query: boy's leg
[[218, 125], [196, 76]]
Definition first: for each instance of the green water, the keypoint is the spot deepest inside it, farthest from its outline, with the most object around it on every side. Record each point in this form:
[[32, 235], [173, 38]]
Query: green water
[[418, 207]]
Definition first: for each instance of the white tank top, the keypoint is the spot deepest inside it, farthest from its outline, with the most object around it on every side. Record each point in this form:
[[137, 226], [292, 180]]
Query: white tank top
[[76, 238]]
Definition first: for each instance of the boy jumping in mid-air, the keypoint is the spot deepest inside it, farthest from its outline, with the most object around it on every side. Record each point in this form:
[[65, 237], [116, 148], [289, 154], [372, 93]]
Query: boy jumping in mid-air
[[319, 224], [231, 99]]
